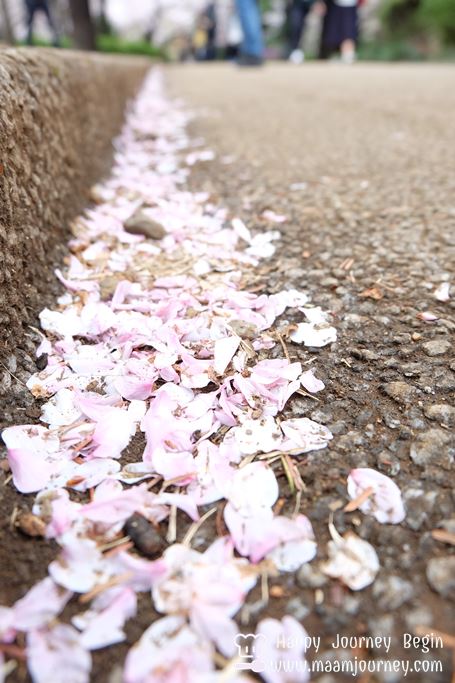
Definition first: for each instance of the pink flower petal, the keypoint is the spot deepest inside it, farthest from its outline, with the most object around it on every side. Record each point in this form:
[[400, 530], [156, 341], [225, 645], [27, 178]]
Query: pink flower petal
[[385, 503]]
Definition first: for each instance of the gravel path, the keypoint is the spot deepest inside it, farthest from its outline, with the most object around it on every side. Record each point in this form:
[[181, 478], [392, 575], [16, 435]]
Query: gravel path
[[360, 160]]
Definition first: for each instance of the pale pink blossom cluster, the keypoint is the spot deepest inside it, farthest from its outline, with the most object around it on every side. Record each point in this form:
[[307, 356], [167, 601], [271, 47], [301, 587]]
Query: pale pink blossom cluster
[[176, 351]]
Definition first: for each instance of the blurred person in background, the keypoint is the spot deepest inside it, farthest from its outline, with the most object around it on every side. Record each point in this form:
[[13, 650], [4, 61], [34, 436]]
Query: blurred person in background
[[297, 11], [228, 30], [34, 6], [204, 36], [252, 50], [339, 29]]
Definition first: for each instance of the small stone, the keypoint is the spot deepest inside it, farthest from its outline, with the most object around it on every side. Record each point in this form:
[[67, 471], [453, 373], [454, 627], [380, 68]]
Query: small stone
[[144, 536], [441, 575], [448, 525], [297, 609], [391, 422], [436, 347], [322, 416], [338, 427], [421, 616], [310, 577], [31, 525], [108, 286], [350, 441], [41, 361], [381, 625], [33, 412], [365, 354], [392, 591], [141, 224], [353, 320], [442, 413], [431, 447], [401, 392], [419, 505], [388, 463], [244, 329]]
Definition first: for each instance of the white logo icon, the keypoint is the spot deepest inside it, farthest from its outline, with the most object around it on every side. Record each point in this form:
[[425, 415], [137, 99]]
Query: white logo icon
[[246, 645]]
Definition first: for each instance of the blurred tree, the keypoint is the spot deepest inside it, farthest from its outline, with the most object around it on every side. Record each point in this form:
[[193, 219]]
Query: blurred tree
[[439, 15], [399, 17], [84, 28], [419, 19], [8, 34], [103, 22]]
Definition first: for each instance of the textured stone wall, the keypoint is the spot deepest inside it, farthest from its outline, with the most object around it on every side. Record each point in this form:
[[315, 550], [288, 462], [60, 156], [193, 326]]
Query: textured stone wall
[[59, 112]]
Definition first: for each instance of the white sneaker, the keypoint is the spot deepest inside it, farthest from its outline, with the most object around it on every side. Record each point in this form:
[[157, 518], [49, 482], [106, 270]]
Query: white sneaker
[[348, 58], [297, 57]]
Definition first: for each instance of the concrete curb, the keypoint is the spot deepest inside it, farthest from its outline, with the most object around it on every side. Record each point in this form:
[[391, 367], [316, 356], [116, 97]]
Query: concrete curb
[[59, 111]]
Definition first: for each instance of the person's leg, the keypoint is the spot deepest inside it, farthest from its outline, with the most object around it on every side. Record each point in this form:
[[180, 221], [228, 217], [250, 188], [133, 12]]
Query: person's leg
[[349, 34], [45, 8], [250, 19], [31, 9], [347, 50], [296, 23]]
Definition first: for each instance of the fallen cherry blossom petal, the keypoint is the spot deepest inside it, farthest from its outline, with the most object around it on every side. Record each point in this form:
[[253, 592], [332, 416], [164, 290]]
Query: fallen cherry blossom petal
[[56, 654], [352, 560], [252, 488], [305, 434], [442, 293], [102, 625], [296, 543], [80, 566], [203, 586], [280, 651], [169, 650], [224, 351], [61, 409], [427, 316], [311, 334], [385, 503], [273, 217], [262, 435], [40, 605], [310, 382], [32, 452]]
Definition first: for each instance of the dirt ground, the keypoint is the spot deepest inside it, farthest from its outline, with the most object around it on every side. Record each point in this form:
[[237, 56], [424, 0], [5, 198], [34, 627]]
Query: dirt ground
[[360, 160]]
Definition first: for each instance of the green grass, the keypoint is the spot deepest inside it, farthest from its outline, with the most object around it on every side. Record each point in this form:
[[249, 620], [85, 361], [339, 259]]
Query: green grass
[[112, 43], [389, 51], [37, 42]]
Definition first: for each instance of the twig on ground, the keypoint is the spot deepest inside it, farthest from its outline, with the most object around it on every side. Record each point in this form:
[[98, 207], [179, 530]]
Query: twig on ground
[[357, 502], [285, 348], [443, 536], [114, 544], [265, 588], [101, 587], [196, 526], [172, 527], [12, 374], [302, 392]]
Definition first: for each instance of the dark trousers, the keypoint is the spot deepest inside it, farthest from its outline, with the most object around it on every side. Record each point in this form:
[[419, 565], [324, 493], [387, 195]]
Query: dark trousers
[[34, 6], [296, 23]]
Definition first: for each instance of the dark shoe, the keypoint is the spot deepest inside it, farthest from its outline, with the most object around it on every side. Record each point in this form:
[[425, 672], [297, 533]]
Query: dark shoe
[[250, 60]]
